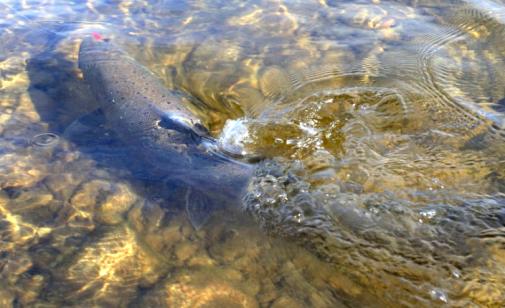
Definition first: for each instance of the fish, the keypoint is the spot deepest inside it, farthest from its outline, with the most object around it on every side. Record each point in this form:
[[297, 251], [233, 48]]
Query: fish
[[160, 129]]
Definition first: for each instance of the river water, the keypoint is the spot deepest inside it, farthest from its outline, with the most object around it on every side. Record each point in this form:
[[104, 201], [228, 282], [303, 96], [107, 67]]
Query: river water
[[376, 130]]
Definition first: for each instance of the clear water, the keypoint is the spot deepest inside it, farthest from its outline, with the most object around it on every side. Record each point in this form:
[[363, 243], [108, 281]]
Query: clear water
[[376, 130]]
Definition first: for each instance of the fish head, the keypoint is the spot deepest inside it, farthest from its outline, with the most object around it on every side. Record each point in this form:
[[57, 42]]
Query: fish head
[[198, 155]]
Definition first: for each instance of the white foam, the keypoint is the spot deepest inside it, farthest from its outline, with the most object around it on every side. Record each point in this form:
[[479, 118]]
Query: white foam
[[234, 136]]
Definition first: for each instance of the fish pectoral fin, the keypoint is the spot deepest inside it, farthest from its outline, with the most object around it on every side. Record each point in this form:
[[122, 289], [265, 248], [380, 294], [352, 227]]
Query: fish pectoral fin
[[199, 208], [89, 128]]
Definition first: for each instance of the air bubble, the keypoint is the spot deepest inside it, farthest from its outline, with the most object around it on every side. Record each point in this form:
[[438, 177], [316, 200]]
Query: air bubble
[[45, 139], [298, 217], [439, 295], [456, 273], [427, 215]]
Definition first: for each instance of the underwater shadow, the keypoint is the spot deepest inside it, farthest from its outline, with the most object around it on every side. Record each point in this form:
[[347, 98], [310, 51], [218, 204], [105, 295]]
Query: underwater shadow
[[64, 101]]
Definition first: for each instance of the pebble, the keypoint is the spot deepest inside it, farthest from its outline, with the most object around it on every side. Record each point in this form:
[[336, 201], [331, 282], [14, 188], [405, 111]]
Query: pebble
[[185, 250], [35, 205], [201, 258], [21, 170], [6, 298], [231, 245], [146, 217], [15, 267], [205, 288], [167, 239], [268, 292], [62, 184], [252, 285], [115, 206], [285, 301], [108, 270], [173, 234], [231, 274], [30, 289]]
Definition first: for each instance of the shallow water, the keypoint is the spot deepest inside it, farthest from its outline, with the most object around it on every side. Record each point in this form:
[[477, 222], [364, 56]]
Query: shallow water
[[376, 130]]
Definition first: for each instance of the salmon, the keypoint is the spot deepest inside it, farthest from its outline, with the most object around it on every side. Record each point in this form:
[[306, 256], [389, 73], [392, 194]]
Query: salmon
[[162, 131]]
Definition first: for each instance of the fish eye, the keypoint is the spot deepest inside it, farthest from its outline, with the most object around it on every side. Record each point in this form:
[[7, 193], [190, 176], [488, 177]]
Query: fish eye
[[201, 130]]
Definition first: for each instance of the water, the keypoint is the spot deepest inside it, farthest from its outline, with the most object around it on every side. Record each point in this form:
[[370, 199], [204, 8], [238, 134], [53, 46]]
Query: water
[[376, 130]]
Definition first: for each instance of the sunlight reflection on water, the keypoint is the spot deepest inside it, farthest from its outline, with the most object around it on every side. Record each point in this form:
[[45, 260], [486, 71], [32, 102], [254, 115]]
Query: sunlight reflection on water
[[376, 129]]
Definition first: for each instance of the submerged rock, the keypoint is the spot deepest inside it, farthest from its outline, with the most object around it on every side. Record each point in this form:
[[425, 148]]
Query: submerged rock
[[112, 210], [206, 288], [18, 169], [6, 298], [108, 271], [286, 301], [185, 250], [359, 232]]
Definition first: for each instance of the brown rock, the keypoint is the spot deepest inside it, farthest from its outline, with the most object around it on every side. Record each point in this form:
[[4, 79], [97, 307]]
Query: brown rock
[[185, 250], [115, 206], [285, 301]]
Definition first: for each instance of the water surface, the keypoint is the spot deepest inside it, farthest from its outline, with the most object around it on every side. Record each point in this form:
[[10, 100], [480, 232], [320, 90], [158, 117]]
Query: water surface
[[376, 129]]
